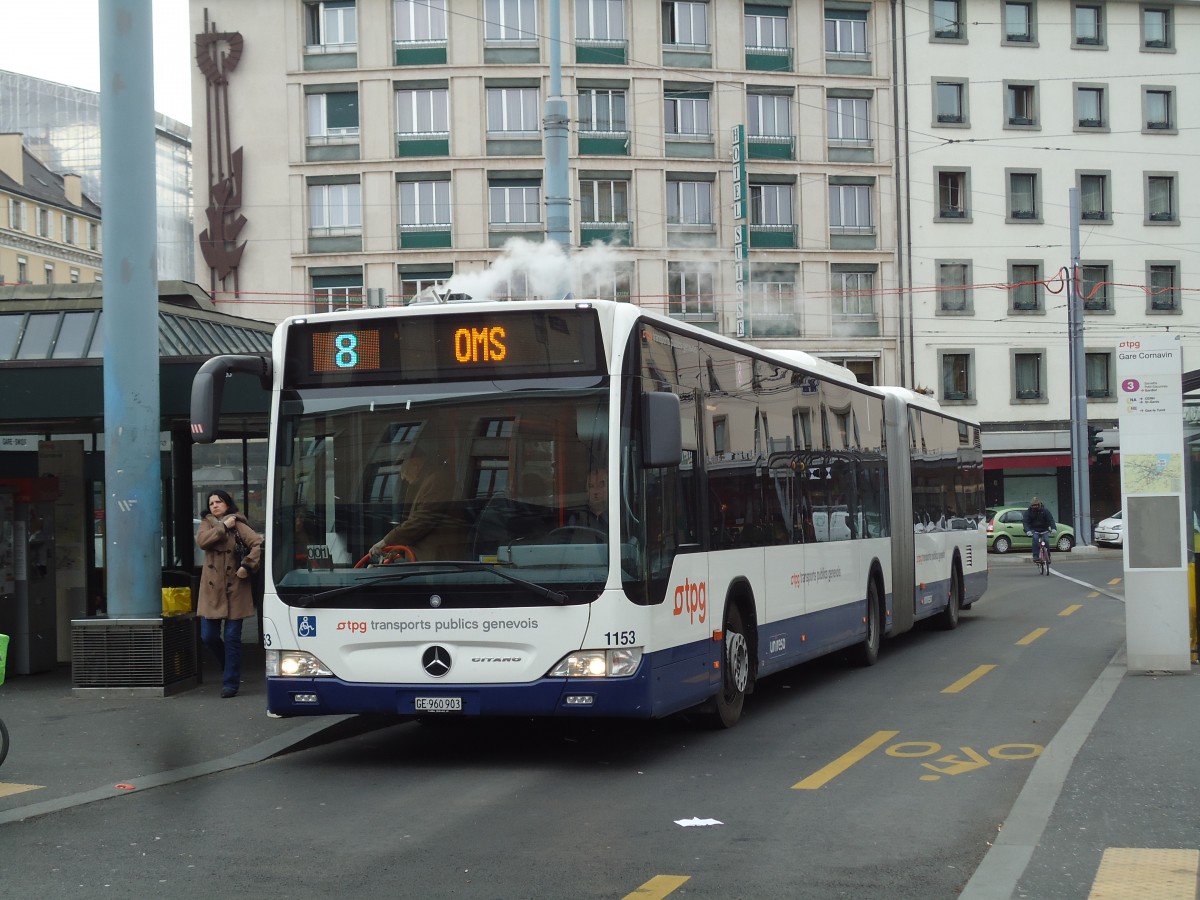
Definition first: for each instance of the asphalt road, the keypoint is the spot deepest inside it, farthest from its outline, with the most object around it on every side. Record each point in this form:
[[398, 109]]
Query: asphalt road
[[839, 782]]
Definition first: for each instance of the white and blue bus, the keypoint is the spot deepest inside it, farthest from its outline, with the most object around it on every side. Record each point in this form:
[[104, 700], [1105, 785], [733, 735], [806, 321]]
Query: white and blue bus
[[629, 516]]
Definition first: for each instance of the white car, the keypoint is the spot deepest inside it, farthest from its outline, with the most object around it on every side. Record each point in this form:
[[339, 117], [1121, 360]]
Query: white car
[[1111, 530]]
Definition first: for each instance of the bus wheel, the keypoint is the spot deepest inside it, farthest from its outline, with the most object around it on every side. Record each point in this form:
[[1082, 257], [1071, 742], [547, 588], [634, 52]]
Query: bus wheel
[[948, 619], [867, 653], [735, 671]]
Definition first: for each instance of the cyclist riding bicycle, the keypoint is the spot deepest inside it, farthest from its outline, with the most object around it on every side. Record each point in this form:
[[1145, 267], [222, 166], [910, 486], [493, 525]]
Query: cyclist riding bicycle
[[1039, 525]]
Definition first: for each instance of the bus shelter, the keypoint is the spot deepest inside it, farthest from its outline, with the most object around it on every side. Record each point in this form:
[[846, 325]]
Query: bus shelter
[[52, 428]]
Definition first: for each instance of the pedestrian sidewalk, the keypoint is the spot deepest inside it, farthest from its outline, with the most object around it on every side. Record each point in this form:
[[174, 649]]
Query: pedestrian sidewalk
[[68, 750]]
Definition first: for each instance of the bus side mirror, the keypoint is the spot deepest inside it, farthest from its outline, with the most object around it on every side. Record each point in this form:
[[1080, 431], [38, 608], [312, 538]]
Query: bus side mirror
[[208, 386], [662, 443]]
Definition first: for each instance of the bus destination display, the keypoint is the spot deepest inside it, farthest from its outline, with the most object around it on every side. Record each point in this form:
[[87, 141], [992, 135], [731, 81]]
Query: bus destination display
[[518, 344]]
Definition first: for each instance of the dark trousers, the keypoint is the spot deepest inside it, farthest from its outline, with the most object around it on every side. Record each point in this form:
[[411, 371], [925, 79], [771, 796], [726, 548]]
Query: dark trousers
[[224, 638]]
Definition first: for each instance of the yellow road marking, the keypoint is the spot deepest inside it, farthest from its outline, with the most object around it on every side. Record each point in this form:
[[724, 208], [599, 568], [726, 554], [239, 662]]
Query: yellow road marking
[[1075, 607], [1127, 872], [1032, 636], [1093, 595], [658, 886], [826, 774], [1115, 581], [8, 788], [967, 680]]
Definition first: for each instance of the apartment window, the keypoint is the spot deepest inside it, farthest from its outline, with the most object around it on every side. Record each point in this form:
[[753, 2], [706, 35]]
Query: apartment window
[[602, 110], [685, 23], [1024, 202], [1098, 374], [1018, 23], [771, 204], [952, 194], [1095, 286], [1025, 287], [332, 292], [1157, 29], [48, 270], [332, 117], [956, 376], [22, 270], [1163, 278], [423, 111], [686, 114], [689, 203], [1094, 203], [93, 236], [766, 29], [334, 209], [600, 20], [947, 20], [769, 115], [509, 20], [16, 215], [1091, 110], [848, 120], [331, 26], [424, 203], [604, 200], [853, 294], [846, 34], [954, 287], [1161, 202], [773, 307], [43, 222], [608, 282], [1028, 382], [420, 20], [513, 110], [514, 204], [1089, 24], [850, 209], [690, 290], [1021, 105], [68, 229], [950, 101], [1159, 107]]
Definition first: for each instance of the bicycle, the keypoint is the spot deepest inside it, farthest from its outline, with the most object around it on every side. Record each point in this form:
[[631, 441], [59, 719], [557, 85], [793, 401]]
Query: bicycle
[[1043, 554]]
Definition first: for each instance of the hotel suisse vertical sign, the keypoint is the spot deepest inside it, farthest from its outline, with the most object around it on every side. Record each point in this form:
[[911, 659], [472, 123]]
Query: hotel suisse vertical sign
[[741, 271]]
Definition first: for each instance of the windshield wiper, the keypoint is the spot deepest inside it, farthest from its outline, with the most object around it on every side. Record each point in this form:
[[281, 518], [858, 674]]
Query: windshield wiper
[[441, 567]]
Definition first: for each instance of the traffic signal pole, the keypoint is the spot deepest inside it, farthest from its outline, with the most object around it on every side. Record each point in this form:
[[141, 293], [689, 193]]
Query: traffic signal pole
[[1081, 482]]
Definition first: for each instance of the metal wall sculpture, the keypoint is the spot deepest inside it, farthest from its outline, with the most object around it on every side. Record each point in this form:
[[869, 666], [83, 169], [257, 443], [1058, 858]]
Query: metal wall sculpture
[[217, 54]]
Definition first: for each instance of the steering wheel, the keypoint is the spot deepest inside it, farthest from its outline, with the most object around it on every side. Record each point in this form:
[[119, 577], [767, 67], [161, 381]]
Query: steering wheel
[[566, 532], [392, 553]]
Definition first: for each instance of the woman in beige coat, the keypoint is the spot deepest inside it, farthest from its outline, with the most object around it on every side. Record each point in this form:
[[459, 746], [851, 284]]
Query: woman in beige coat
[[226, 594]]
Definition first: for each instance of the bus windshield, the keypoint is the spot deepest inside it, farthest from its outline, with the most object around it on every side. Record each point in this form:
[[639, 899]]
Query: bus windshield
[[460, 495]]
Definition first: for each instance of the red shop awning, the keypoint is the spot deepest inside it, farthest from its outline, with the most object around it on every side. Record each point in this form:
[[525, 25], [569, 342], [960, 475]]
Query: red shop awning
[[1033, 461]]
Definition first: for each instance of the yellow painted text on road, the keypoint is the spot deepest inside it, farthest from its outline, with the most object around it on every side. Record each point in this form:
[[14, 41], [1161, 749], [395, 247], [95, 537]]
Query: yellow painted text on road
[[967, 680], [1032, 636], [1075, 607], [657, 887], [824, 775]]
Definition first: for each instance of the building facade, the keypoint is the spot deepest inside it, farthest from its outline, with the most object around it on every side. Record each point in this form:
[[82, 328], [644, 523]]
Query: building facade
[[49, 229], [61, 125], [360, 150], [1011, 105]]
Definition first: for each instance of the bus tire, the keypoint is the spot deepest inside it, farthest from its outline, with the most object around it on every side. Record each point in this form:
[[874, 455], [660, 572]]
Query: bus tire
[[726, 707], [867, 653], [948, 618]]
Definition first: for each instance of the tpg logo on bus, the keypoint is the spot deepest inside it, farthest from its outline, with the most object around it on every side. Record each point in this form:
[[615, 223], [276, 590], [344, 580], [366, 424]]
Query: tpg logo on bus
[[692, 596]]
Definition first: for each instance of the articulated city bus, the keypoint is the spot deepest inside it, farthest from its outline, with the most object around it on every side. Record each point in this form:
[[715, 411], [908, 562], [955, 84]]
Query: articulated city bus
[[586, 509]]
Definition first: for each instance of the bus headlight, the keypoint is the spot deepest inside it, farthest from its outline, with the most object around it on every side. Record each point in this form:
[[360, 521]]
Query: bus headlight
[[598, 663], [294, 664]]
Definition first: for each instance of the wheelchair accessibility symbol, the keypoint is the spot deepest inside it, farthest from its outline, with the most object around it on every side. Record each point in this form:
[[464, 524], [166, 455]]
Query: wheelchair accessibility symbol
[[306, 626]]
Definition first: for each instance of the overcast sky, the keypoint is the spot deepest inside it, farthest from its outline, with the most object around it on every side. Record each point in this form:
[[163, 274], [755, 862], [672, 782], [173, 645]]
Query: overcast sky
[[59, 40]]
